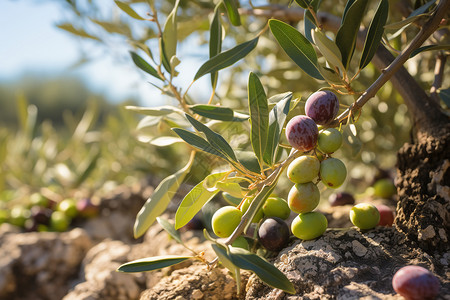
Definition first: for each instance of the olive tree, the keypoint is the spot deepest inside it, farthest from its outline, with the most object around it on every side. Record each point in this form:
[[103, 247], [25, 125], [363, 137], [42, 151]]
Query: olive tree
[[258, 63]]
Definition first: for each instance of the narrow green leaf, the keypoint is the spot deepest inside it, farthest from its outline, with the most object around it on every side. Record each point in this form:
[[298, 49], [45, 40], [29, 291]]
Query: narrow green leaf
[[429, 48], [143, 47], [226, 58], [224, 259], [328, 48], [213, 112], [232, 188], [303, 3], [240, 117], [148, 121], [164, 141], [80, 32], [152, 263], [375, 33], [143, 65], [126, 8], [231, 199], [263, 269], [347, 33], [209, 183], [423, 9], [249, 160], [113, 27], [346, 8], [259, 115], [215, 42], [165, 60], [169, 34], [258, 201], [197, 141], [330, 75], [232, 11], [159, 201], [296, 46], [401, 25], [215, 139], [277, 118], [154, 111], [170, 229], [192, 204], [308, 26], [208, 236]]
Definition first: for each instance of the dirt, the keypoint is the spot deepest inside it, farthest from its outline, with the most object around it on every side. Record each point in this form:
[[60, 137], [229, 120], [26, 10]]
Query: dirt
[[423, 185], [350, 264]]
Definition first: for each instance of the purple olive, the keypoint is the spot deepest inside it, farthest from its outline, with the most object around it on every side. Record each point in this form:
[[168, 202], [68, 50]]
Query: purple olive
[[273, 234], [41, 215], [416, 283], [322, 107], [341, 198], [86, 208], [302, 133]]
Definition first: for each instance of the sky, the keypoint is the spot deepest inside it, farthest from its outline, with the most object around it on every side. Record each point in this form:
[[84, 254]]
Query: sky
[[31, 42]]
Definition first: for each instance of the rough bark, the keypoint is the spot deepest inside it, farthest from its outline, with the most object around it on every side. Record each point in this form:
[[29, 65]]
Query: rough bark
[[423, 185]]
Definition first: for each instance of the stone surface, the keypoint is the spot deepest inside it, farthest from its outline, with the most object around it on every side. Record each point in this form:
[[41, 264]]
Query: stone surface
[[349, 264], [100, 280], [118, 212], [40, 265], [195, 282]]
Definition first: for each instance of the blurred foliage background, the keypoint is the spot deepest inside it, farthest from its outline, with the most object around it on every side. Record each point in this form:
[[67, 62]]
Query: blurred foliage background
[[57, 135]]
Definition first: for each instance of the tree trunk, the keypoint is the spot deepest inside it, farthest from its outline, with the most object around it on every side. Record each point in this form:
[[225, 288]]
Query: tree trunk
[[423, 166], [423, 186]]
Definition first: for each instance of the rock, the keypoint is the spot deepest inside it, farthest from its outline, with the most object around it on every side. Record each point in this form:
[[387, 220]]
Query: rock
[[349, 264], [195, 282], [100, 280], [117, 216], [40, 265]]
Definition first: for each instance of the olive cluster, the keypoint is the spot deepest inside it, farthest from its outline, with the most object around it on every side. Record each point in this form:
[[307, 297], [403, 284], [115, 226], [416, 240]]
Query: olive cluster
[[43, 214], [308, 170]]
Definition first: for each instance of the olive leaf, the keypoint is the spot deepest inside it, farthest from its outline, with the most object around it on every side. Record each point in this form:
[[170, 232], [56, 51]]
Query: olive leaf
[[192, 204], [160, 199], [277, 118], [296, 46], [143, 65], [215, 42], [232, 11], [152, 263], [226, 58], [347, 33], [126, 8], [263, 269], [213, 112], [375, 33], [259, 115]]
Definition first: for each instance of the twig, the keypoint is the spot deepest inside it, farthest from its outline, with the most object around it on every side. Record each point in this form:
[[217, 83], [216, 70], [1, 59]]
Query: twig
[[427, 30], [267, 183], [441, 58]]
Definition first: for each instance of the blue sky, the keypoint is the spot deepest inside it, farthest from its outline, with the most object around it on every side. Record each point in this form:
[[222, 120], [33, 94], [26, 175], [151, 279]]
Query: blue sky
[[30, 42]]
